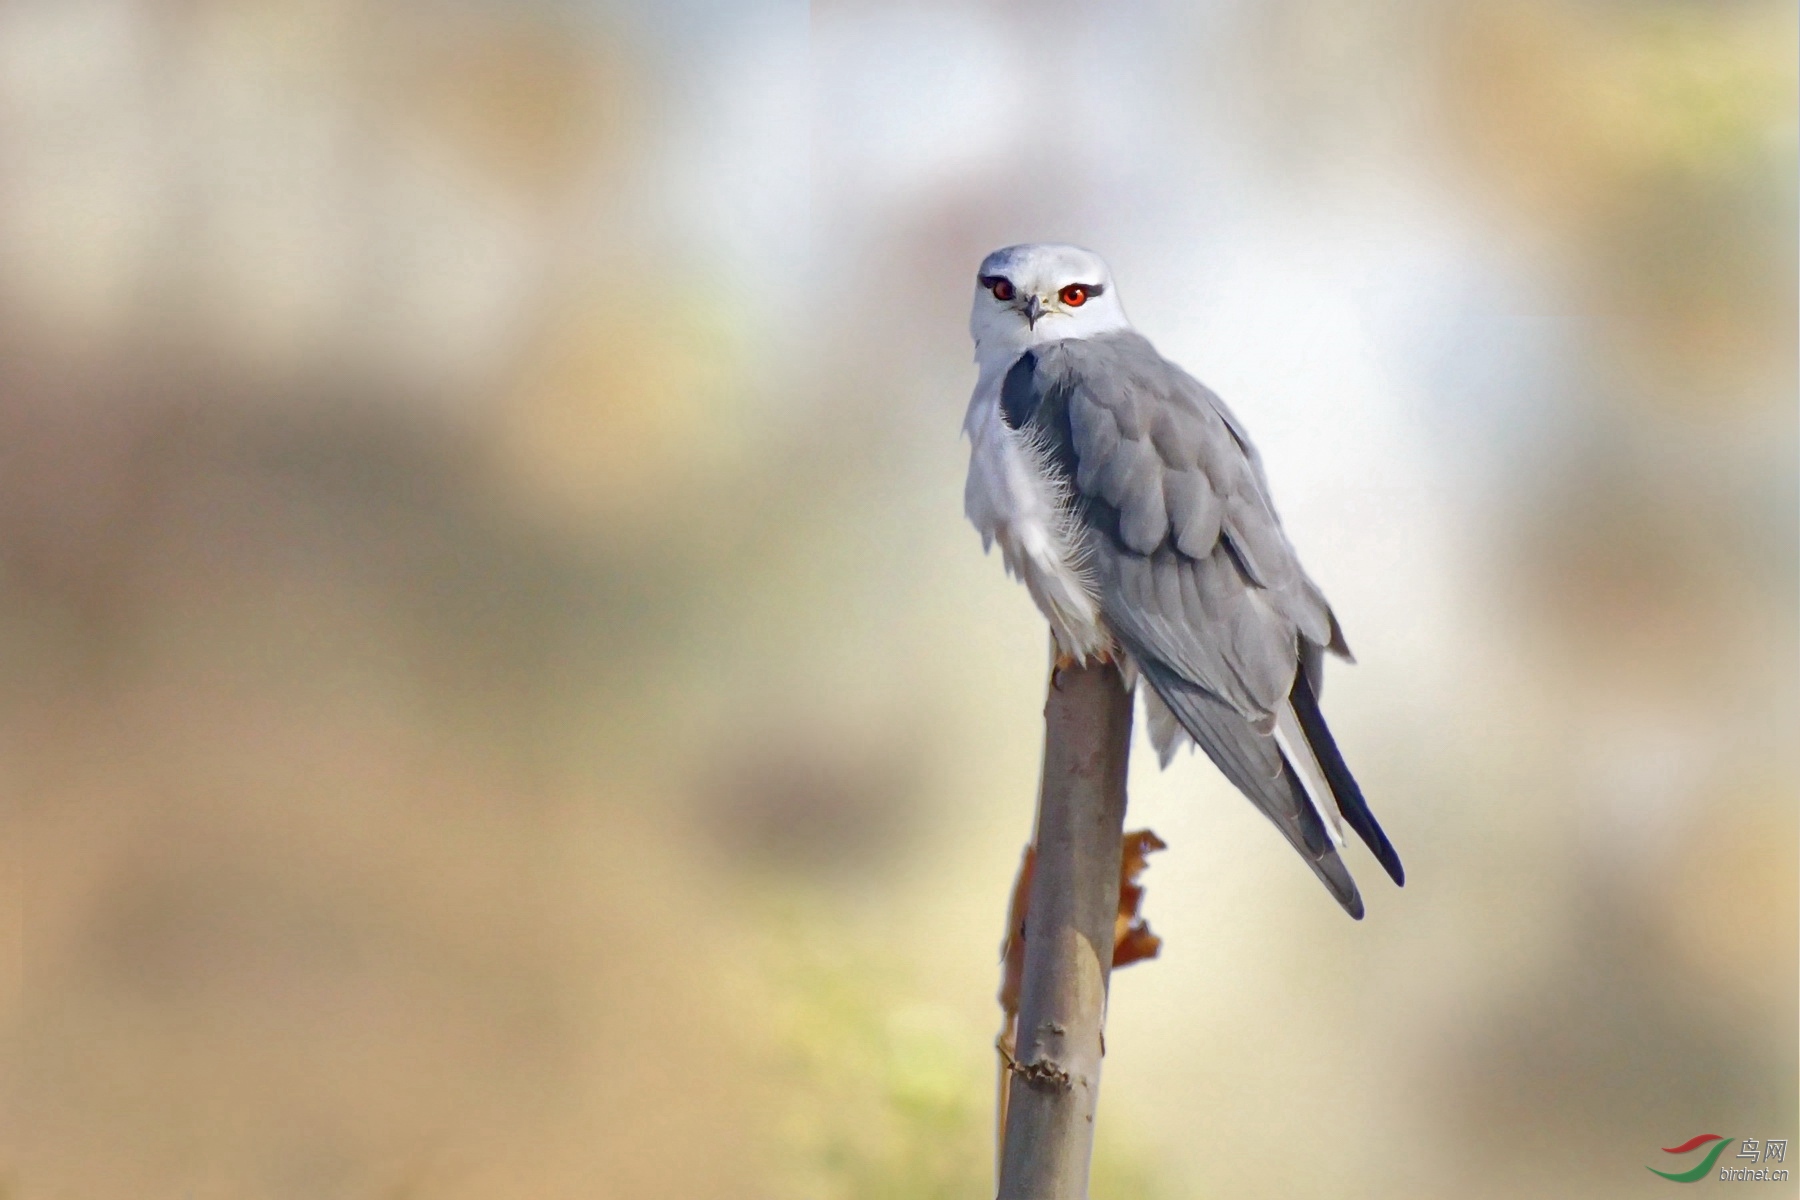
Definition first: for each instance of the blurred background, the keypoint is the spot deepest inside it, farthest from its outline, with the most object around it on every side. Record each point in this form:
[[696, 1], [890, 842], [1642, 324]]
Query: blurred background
[[498, 697]]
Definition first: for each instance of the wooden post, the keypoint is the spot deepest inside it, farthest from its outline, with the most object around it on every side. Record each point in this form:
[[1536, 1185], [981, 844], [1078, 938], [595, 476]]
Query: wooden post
[[1055, 1075]]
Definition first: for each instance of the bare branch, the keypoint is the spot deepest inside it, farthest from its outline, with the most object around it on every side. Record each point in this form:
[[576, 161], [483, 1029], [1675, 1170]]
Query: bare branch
[[1074, 903]]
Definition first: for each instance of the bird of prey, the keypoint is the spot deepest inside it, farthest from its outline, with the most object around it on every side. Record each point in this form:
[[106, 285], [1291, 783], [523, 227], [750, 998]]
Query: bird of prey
[[1131, 503]]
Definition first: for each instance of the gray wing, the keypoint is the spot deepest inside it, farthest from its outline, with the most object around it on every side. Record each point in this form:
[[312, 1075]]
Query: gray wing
[[1195, 576]]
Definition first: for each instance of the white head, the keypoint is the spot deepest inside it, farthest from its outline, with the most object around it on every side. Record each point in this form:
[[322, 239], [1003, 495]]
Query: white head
[[1042, 292]]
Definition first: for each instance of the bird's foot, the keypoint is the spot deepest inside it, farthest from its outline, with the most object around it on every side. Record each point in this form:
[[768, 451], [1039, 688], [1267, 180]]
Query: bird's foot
[[1065, 662]]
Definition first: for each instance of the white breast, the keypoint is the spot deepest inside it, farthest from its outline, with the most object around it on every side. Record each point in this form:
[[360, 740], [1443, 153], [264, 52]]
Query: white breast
[[1012, 500]]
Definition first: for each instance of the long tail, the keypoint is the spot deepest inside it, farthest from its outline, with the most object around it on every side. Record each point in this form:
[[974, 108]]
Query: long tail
[[1344, 787], [1251, 761]]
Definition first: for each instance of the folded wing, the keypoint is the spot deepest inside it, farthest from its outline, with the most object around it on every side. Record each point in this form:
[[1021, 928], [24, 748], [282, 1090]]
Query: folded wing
[[1195, 576]]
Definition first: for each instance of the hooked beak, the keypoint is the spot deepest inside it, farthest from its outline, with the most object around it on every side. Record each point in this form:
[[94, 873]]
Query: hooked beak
[[1033, 310]]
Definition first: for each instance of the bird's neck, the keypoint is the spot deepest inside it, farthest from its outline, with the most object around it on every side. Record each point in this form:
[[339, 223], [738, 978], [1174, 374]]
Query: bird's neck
[[999, 348]]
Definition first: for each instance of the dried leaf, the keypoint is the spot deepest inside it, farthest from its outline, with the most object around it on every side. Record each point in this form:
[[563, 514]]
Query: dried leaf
[[1132, 939], [1012, 951]]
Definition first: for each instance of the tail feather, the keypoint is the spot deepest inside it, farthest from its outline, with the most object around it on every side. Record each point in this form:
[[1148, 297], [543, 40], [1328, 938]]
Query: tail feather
[[1315, 847], [1343, 785], [1297, 752], [1251, 761]]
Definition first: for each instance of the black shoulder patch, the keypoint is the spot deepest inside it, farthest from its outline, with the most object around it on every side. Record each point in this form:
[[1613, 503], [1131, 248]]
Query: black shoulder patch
[[1018, 395]]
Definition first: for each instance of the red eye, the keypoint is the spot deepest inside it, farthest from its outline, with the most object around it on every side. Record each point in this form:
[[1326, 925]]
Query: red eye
[[1074, 295], [1003, 289]]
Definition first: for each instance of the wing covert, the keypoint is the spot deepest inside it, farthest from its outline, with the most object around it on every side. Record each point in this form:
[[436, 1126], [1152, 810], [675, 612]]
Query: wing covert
[[1192, 565]]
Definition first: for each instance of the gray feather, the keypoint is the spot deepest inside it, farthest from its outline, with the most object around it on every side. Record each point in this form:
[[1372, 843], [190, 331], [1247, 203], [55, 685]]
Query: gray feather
[[1252, 763], [1195, 511], [1143, 512], [1195, 576], [1096, 448]]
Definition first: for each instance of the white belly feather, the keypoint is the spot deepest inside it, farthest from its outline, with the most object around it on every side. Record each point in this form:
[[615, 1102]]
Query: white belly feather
[[1012, 500]]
